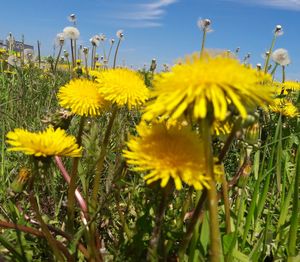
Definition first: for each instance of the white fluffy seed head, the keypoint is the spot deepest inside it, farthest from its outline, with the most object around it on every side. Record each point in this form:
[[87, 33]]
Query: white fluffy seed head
[[60, 39], [102, 37], [204, 24], [71, 32], [281, 57], [13, 61], [120, 34], [95, 40]]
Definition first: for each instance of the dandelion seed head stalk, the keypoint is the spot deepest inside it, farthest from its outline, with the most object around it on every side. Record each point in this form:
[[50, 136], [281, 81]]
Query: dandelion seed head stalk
[[204, 25], [277, 32]]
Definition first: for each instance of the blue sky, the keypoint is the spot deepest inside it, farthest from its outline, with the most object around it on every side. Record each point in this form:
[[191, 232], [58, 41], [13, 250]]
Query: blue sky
[[161, 29]]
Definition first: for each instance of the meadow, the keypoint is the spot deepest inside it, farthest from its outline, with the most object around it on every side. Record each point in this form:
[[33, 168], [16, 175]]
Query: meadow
[[199, 161]]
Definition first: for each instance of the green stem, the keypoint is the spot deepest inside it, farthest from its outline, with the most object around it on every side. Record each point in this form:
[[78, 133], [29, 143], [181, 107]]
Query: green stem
[[116, 53], [57, 58], [39, 53], [72, 53], [226, 203], [72, 186], [109, 52], [93, 57], [189, 233], [100, 162], [203, 43], [155, 237], [50, 239], [269, 55], [215, 239], [229, 140], [292, 242], [103, 47], [274, 70]]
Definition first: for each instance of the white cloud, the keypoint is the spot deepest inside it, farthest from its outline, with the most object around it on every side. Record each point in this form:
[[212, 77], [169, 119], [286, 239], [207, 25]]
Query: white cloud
[[145, 14], [282, 4]]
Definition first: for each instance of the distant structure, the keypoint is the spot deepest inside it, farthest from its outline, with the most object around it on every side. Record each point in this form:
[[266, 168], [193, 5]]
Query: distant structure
[[17, 46]]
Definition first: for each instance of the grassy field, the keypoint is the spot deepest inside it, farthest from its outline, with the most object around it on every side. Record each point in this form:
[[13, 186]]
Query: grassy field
[[188, 184]]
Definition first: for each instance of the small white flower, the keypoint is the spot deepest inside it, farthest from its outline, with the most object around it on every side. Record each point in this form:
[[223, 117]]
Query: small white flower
[[204, 24], [281, 57], [71, 32], [120, 34], [72, 18], [95, 40], [13, 61]]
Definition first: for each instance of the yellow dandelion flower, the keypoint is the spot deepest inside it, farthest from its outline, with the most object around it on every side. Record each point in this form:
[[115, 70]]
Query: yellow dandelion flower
[[221, 128], [81, 96], [94, 73], [207, 85], [173, 152], [46, 143], [291, 85], [286, 87], [123, 87], [284, 107]]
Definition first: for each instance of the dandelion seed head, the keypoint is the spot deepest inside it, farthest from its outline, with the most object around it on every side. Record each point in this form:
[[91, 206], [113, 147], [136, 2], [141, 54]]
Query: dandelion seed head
[[14, 61], [204, 24], [281, 57], [120, 34], [95, 40], [71, 32], [102, 37]]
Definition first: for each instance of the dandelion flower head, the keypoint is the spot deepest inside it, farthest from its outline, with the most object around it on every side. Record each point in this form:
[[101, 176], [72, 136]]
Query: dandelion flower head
[[120, 34], [46, 143], [284, 107], [81, 96], [71, 32], [207, 86], [95, 40], [123, 87], [281, 57], [167, 153]]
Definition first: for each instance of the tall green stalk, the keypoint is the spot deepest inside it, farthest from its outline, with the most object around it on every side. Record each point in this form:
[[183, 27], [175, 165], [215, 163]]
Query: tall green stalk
[[292, 242], [215, 239], [72, 186]]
